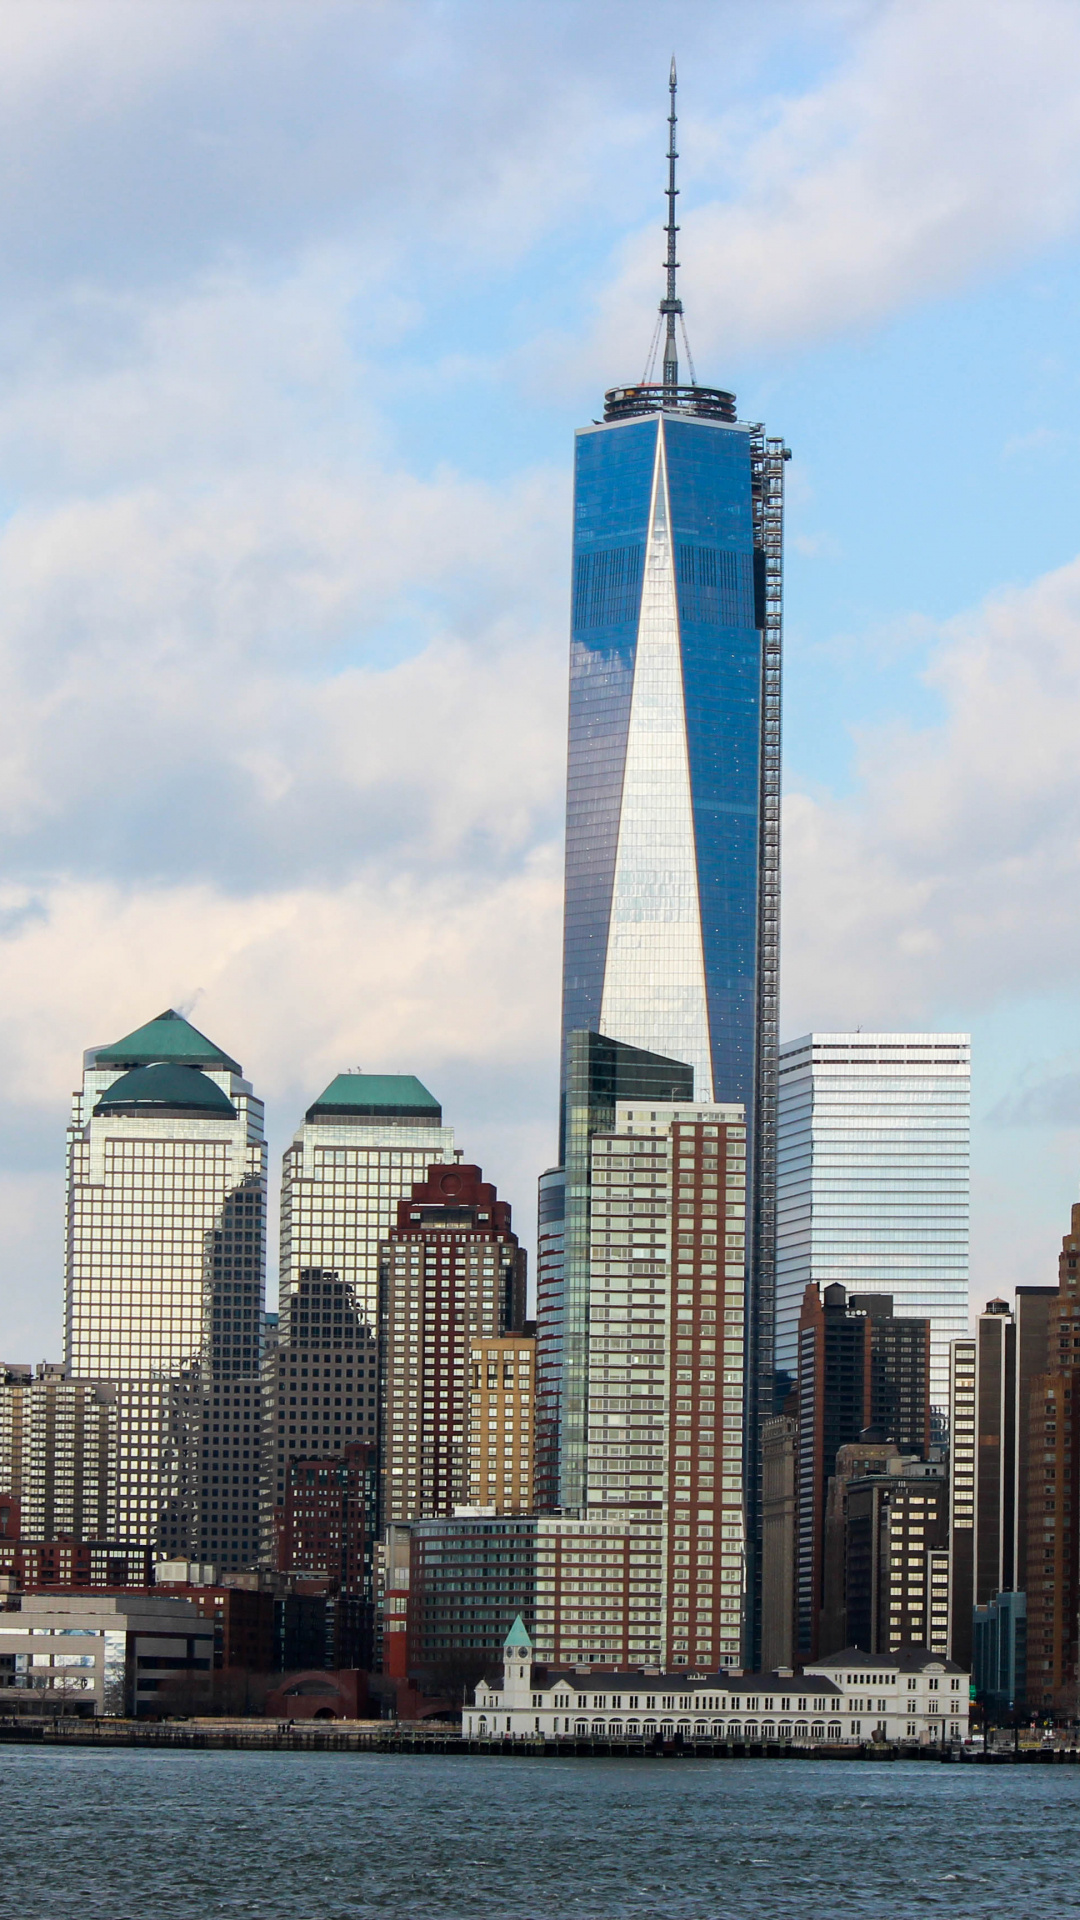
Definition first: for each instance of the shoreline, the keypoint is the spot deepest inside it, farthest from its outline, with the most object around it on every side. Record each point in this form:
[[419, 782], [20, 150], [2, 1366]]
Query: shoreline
[[376, 1737]]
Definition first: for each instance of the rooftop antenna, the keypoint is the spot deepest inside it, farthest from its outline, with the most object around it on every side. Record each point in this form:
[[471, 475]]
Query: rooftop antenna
[[672, 305]]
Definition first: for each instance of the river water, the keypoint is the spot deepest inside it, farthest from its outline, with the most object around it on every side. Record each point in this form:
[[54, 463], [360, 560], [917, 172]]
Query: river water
[[352, 1836]]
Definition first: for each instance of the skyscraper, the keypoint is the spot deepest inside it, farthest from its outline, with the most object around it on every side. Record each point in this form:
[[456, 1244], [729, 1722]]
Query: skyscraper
[[362, 1144], [672, 831], [873, 1180], [665, 1390], [452, 1273], [863, 1382], [320, 1385], [165, 1281]]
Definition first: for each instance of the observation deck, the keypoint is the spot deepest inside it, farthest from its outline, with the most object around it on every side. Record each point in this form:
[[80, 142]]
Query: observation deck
[[624, 403]]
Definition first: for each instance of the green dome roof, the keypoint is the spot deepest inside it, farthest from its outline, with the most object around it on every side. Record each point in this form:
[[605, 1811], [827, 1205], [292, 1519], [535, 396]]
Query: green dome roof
[[165, 1088], [168, 1037]]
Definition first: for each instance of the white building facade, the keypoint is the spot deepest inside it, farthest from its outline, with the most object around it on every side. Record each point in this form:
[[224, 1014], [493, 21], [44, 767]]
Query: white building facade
[[873, 1180], [849, 1697]]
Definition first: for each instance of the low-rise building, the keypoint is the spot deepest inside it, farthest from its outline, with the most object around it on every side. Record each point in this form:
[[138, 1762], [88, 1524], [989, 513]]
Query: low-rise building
[[912, 1696], [106, 1653]]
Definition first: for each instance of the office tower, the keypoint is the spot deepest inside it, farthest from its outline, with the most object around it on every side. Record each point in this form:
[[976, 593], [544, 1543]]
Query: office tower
[[834, 1395], [671, 932], [165, 1279], [1032, 1311], [550, 1283], [873, 1180], [363, 1143], [899, 1373], [58, 1453], [321, 1380], [863, 1377], [779, 1517], [995, 1371], [896, 1584], [853, 1462], [665, 1370], [502, 1423], [452, 1273], [992, 1378], [1052, 1575], [328, 1522]]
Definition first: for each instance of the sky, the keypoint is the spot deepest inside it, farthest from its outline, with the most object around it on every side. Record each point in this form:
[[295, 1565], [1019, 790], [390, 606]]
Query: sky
[[301, 306]]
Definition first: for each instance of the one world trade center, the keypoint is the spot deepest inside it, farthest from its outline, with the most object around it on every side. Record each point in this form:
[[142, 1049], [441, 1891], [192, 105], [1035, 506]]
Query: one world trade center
[[673, 796]]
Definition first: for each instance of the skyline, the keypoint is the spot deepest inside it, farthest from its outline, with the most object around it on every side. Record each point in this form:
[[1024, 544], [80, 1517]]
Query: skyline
[[244, 593]]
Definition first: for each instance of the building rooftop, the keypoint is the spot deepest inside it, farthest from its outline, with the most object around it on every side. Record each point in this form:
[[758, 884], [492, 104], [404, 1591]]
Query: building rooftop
[[165, 1088], [167, 1037], [910, 1659], [376, 1096], [633, 1679]]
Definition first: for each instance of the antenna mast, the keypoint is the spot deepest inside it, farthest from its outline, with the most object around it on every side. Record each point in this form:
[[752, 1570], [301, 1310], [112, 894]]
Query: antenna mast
[[666, 395], [671, 306]]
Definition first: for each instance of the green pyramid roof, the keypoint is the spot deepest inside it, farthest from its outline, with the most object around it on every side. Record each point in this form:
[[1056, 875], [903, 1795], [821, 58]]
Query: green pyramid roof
[[165, 1085], [518, 1636], [169, 1037], [398, 1096]]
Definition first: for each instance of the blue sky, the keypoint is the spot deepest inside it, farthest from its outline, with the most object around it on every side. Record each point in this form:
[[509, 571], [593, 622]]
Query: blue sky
[[302, 306]]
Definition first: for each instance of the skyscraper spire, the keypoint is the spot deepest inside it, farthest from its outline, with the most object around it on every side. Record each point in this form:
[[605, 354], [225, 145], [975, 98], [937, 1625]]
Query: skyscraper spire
[[671, 305]]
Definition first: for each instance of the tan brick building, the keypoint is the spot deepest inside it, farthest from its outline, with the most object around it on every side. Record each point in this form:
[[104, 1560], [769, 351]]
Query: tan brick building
[[502, 1423]]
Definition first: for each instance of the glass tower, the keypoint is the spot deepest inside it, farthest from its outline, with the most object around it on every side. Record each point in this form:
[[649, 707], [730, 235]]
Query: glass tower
[[165, 1282], [673, 789], [363, 1143], [873, 1180]]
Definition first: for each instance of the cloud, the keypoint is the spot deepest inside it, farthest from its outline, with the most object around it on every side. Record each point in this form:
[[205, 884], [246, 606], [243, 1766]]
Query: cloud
[[456, 982], [941, 143], [1051, 1102], [951, 874], [232, 646]]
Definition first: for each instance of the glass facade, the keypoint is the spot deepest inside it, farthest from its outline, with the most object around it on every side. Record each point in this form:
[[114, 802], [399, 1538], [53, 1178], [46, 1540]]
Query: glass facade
[[165, 1282], [873, 1181], [664, 781], [362, 1145], [601, 1072], [672, 900]]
